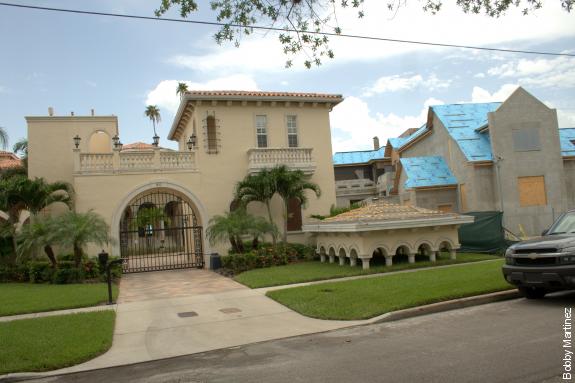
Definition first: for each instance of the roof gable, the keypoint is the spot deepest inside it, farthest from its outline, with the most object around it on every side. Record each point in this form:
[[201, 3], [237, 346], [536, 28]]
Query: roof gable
[[427, 172], [462, 122], [400, 142]]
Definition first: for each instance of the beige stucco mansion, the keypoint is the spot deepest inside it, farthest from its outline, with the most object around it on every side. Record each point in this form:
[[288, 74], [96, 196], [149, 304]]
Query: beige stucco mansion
[[222, 137]]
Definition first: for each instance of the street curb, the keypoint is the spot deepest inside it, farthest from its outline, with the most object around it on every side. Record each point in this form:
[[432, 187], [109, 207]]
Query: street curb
[[446, 306], [388, 317]]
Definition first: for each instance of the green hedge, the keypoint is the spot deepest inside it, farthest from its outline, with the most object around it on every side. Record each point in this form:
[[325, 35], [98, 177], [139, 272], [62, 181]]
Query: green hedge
[[267, 256], [66, 271]]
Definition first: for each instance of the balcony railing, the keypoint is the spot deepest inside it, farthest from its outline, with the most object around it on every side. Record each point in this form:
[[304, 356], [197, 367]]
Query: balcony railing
[[294, 158], [357, 186], [134, 162]]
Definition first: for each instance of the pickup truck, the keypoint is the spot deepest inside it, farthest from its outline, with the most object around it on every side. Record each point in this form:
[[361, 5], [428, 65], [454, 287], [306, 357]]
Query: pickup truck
[[544, 264]]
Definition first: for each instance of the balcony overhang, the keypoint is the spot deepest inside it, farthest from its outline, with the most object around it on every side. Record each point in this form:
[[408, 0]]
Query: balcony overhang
[[293, 158]]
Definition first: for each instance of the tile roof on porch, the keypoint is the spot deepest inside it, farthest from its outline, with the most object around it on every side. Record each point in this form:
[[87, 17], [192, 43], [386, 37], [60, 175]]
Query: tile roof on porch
[[384, 211]]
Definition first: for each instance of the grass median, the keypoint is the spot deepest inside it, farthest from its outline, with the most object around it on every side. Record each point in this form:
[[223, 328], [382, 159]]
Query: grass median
[[317, 271], [367, 298], [49, 343], [23, 298]]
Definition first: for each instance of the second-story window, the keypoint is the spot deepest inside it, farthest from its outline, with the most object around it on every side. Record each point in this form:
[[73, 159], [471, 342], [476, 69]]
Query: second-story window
[[292, 131], [262, 131]]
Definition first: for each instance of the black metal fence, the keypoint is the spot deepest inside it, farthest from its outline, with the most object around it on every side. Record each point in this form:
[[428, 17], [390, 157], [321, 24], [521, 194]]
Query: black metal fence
[[159, 230]]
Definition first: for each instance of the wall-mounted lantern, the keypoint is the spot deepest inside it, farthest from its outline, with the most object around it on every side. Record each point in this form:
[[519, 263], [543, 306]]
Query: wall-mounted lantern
[[120, 145], [77, 140], [116, 140], [156, 140], [192, 142]]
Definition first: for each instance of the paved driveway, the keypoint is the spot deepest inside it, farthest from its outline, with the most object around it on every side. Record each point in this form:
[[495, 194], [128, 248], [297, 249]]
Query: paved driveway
[[140, 287]]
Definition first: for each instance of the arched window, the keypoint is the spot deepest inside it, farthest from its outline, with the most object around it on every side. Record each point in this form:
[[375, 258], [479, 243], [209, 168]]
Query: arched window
[[100, 142]]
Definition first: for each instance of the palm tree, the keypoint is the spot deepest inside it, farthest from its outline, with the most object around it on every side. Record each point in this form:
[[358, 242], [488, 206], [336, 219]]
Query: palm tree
[[40, 233], [76, 230], [3, 138], [18, 193], [181, 89], [234, 225], [292, 184], [153, 113], [21, 149], [257, 188]]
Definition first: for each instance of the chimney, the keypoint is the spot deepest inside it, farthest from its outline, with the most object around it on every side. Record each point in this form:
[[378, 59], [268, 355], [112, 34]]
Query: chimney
[[92, 112], [50, 111], [375, 143]]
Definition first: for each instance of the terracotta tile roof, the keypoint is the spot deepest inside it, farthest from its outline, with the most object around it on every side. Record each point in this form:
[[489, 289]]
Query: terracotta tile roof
[[247, 93], [9, 160], [382, 211]]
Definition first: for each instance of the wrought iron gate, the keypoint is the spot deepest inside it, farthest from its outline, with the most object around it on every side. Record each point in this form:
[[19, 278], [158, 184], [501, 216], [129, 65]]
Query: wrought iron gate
[[159, 230]]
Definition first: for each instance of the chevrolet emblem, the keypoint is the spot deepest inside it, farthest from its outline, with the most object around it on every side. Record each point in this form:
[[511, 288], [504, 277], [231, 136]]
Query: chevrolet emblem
[[532, 255]]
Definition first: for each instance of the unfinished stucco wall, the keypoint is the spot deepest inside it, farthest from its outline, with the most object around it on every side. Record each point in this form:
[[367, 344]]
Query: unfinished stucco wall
[[519, 112], [435, 198]]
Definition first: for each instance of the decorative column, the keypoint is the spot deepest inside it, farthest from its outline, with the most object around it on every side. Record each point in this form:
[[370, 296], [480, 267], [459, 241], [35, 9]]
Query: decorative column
[[76, 160], [352, 261], [411, 258], [388, 260], [365, 263], [157, 164], [322, 258], [331, 258], [341, 260], [452, 254], [116, 160], [433, 255]]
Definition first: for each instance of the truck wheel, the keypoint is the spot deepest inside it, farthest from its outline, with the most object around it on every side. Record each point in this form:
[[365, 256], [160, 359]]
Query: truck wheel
[[533, 292]]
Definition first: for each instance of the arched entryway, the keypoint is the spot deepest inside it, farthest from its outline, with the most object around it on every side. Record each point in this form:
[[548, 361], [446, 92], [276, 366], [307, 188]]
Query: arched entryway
[[160, 229]]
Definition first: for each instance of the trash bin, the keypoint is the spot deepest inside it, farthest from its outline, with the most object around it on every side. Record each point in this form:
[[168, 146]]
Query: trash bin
[[215, 261]]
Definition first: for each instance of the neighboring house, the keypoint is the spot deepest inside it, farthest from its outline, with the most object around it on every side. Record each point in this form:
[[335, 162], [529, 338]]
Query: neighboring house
[[9, 160], [508, 157], [159, 201]]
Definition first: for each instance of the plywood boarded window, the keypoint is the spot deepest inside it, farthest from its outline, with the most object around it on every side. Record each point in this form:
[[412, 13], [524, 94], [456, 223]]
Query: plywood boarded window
[[463, 196], [294, 215], [532, 191]]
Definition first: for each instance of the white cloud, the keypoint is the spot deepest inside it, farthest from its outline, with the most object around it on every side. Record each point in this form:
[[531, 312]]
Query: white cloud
[[479, 94], [164, 94], [542, 73], [564, 119], [396, 83], [479, 75], [261, 52], [2, 89], [354, 125]]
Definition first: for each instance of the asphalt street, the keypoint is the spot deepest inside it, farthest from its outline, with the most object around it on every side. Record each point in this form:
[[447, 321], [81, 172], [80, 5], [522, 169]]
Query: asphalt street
[[512, 341]]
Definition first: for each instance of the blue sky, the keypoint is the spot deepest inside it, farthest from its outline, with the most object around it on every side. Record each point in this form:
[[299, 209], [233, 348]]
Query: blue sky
[[117, 66]]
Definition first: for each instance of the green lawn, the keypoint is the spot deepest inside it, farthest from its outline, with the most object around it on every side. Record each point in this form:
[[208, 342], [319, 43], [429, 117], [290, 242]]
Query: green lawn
[[22, 298], [317, 271], [54, 342], [366, 298]]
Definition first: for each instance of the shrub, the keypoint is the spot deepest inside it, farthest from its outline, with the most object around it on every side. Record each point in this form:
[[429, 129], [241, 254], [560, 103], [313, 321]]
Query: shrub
[[68, 275], [267, 256], [14, 273], [40, 271]]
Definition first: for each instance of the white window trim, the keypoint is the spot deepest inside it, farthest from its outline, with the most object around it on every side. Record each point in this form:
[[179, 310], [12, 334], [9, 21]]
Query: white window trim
[[256, 131], [286, 130]]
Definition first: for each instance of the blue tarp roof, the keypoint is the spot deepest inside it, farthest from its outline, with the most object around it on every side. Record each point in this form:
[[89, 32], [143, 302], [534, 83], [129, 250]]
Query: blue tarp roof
[[567, 137], [461, 120], [427, 171], [357, 157], [399, 142]]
